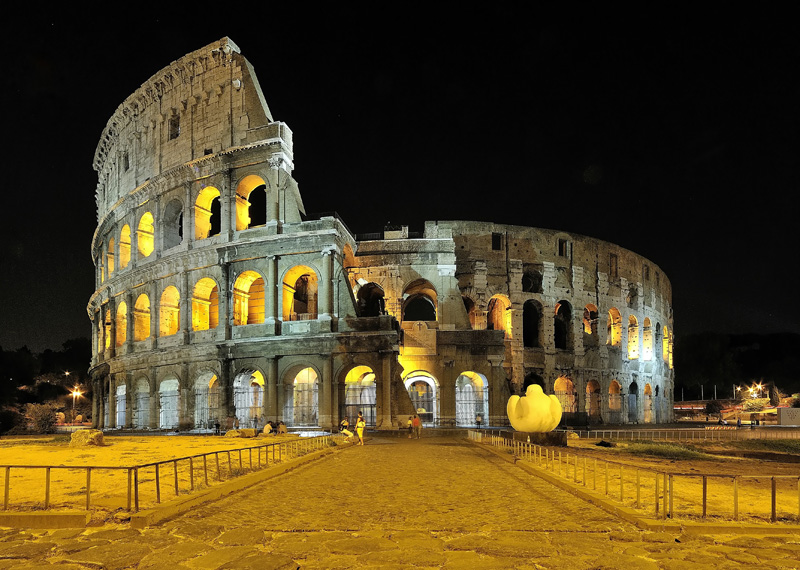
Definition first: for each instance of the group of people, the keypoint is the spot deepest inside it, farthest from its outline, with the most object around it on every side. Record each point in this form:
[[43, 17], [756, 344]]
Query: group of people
[[275, 427], [344, 427], [414, 427]]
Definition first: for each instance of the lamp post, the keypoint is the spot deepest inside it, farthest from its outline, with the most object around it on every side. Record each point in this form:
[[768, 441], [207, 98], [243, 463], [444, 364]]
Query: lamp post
[[75, 394]]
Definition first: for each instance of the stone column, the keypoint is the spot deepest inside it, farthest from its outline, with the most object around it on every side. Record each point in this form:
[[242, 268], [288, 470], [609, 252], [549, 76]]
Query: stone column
[[96, 403], [326, 385], [155, 400], [155, 312], [271, 411], [225, 297], [383, 395], [447, 395], [129, 320], [111, 307], [271, 299], [112, 401], [185, 306]]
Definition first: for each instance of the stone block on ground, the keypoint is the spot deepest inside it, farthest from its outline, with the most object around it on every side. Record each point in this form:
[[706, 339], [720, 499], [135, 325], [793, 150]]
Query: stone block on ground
[[245, 432], [84, 437]]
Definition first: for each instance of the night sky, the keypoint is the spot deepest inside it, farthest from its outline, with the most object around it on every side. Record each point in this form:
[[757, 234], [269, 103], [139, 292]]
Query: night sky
[[675, 137]]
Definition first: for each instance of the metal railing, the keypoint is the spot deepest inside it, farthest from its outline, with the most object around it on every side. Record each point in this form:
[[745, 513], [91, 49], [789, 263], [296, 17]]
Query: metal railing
[[665, 495], [146, 484], [709, 433]]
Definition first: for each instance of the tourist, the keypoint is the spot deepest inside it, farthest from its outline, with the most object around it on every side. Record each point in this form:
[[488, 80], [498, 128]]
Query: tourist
[[360, 425], [410, 427], [417, 425], [344, 427], [281, 427], [268, 428]]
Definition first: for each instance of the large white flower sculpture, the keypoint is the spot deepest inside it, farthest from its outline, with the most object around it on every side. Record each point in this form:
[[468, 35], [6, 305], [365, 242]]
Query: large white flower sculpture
[[534, 411]]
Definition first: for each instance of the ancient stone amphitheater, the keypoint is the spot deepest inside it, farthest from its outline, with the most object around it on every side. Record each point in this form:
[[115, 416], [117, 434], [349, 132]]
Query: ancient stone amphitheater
[[220, 302]]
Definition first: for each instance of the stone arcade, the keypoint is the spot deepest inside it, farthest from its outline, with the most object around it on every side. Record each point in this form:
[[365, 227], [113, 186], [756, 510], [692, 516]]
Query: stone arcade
[[219, 301]]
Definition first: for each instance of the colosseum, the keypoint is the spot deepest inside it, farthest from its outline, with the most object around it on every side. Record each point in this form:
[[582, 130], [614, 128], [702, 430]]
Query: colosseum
[[220, 302]]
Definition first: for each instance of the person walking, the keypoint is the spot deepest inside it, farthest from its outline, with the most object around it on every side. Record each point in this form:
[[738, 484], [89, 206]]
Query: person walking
[[416, 423], [360, 425]]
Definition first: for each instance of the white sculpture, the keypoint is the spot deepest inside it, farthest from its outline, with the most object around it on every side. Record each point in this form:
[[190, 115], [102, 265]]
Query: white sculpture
[[534, 411]]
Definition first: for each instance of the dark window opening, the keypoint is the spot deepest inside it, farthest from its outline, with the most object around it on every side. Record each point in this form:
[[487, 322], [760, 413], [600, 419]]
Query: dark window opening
[[419, 308], [258, 206], [207, 151], [497, 241], [613, 266], [174, 127], [530, 325], [532, 282], [564, 248], [216, 218]]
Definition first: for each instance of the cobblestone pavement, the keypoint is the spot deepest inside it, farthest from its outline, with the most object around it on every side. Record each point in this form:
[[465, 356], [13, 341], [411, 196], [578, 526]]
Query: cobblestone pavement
[[395, 503]]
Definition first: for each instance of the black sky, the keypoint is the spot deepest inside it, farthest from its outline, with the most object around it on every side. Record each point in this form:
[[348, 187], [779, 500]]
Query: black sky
[[675, 137]]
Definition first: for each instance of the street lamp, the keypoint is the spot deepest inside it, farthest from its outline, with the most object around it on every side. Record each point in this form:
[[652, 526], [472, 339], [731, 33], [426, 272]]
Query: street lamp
[[75, 394]]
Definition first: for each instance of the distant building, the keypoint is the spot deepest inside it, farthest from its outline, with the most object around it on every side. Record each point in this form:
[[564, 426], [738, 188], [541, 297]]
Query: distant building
[[218, 301]]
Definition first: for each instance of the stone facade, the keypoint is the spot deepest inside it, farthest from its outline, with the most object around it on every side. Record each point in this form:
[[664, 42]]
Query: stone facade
[[219, 302]]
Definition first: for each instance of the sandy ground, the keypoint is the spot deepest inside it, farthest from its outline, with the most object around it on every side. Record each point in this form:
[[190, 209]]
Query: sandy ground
[[109, 486]]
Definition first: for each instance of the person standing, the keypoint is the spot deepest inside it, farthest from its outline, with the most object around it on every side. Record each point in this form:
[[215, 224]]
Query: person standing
[[410, 427], [416, 423], [360, 425]]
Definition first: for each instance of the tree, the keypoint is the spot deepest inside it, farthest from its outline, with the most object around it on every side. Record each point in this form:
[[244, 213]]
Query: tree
[[42, 417]]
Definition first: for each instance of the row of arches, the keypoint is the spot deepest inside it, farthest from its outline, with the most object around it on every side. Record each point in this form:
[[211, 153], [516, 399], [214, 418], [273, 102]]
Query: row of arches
[[250, 212], [163, 407], [299, 302]]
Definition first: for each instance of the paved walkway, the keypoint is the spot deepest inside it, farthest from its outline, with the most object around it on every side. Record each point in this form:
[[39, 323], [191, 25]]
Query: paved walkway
[[395, 503]]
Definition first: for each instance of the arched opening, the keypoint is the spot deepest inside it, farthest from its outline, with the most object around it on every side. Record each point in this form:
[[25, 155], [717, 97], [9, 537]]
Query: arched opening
[[251, 202], [590, 325], [419, 301], [301, 403], [141, 318], [633, 338], [169, 404], [300, 294], [498, 315], [360, 395], [122, 323], [614, 327], [124, 246], [172, 226], [248, 399], [531, 324], [593, 400], [122, 405], [206, 402], [141, 410], [248, 299], [564, 390], [207, 210], [648, 404], [145, 235], [472, 312], [665, 345], [169, 312], [421, 388], [370, 298], [562, 325], [615, 402], [532, 378], [647, 340], [205, 305], [472, 400], [107, 328], [110, 257], [633, 403]]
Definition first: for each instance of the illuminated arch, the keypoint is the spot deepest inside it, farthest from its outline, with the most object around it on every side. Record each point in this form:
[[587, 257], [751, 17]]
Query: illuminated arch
[[498, 315], [169, 312], [206, 401], [141, 403], [145, 235], [472, 399], [422, 387], [360, 394], [564, 390], [647, 340], [207, 213], [124, 246], [168, 403], [122, 323], [248, 398], [301, 400], [665, 345], [419, 301], [205, 305], [633, 338], [615, 402], [251, 202], [141, 318], [614, 326], [110, 257], [300, 289], [248, 299]]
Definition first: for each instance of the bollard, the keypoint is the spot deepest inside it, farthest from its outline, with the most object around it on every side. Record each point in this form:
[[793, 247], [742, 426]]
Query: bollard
[[130, 477], [175, 471], [216, 456], [205, 470], [88, 486], [158, 485]]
